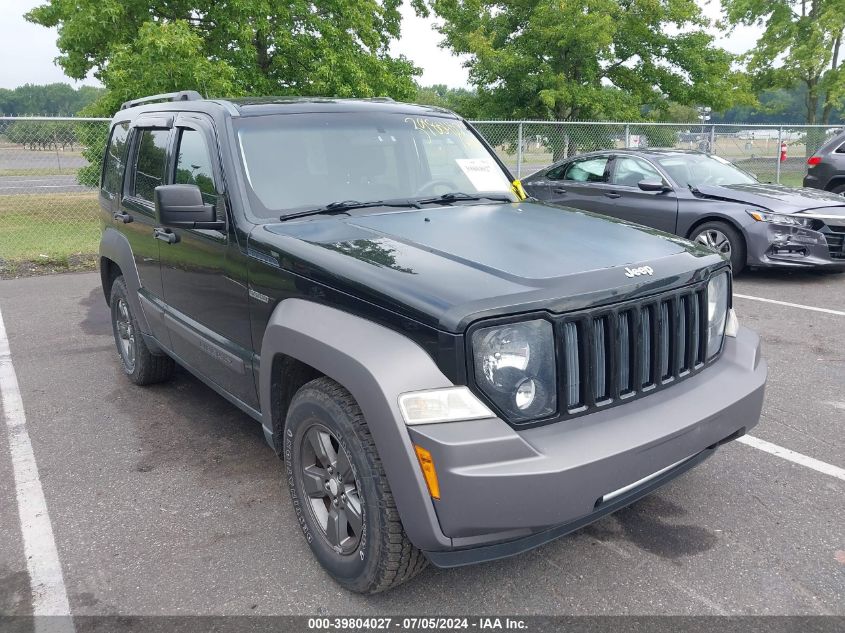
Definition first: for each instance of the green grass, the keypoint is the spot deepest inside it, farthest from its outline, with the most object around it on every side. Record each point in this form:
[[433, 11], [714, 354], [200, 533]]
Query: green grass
[[791, 174], [790, 179], [48, 232]]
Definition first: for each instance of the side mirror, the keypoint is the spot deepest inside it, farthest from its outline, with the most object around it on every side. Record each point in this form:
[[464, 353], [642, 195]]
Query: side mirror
[[182, 207], [652, 184]]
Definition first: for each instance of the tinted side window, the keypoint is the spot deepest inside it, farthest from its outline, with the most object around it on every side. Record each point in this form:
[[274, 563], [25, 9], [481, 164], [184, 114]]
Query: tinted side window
[[557, 172], [193, 164], [150, 163], [628, 172], [113, 162], [587, 170]]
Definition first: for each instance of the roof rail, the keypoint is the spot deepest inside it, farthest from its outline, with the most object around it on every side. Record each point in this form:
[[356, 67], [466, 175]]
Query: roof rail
[[385, 99], [182, 95]]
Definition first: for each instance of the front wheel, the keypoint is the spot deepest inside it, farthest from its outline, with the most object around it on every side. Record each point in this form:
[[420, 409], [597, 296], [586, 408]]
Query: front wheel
[[340, 494], [725, 240]]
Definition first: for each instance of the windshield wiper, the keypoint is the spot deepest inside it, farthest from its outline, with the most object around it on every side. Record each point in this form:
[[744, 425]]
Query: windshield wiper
[[342, 206], [454, 196]]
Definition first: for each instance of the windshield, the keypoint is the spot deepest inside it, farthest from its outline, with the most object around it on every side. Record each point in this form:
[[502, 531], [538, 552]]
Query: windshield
[[694, 170], [303, 161]]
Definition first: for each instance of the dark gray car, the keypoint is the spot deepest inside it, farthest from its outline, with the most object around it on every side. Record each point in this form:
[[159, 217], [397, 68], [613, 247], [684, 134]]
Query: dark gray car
[[826, 168], [706, 199]]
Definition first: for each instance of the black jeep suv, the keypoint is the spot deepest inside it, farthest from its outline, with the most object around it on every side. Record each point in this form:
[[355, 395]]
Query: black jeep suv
[[452, 373]]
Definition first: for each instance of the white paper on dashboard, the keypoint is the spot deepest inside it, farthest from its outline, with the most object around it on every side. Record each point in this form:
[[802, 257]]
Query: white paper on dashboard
[[483, 173]]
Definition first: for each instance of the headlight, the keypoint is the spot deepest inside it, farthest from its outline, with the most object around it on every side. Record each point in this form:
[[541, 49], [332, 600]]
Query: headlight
[[778, 218], [515, 368], [717, 313]]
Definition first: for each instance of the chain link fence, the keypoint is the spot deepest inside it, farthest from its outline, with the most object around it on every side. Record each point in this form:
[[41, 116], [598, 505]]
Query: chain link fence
[[49, 170], [772, 153]]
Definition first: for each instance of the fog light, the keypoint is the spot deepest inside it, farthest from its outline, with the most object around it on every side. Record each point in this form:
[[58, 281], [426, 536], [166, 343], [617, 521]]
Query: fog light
[[525, 394]]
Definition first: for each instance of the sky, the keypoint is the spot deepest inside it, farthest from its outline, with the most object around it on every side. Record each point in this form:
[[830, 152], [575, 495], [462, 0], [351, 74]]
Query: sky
[[27, 51]]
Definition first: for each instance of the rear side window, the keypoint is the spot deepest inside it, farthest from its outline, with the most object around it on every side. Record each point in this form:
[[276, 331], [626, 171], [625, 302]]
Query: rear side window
[[150, 163], [557, 172], [587, 170], [114, 161]]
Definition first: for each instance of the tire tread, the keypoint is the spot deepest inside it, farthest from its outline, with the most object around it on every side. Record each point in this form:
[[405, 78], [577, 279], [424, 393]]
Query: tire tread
[[403, 561], [150, 368]]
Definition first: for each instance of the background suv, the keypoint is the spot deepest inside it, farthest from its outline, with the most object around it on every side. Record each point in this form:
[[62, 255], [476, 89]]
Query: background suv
[[826, 168]]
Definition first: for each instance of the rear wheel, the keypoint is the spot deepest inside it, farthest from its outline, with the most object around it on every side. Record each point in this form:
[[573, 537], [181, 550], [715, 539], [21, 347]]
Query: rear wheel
[[725, 240], [839, 190], [138, 362], [340, 493]]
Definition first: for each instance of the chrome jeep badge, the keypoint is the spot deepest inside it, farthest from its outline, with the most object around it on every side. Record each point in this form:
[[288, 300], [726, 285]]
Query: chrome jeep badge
[[636, 272]]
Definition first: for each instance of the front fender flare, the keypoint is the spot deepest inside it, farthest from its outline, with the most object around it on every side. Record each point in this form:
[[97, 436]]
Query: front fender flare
[[375, 364]]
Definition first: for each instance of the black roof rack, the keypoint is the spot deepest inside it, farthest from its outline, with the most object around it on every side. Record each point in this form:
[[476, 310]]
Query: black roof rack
[[183, 95]]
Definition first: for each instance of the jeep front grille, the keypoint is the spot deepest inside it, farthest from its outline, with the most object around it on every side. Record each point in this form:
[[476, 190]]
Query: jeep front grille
[[612, 354]]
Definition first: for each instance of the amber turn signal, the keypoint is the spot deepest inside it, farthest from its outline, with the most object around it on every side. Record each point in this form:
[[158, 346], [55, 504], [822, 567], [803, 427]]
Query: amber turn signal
[[427, 466]]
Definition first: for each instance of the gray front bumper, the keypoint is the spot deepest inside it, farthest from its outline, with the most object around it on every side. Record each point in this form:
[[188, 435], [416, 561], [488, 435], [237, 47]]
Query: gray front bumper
[[772, 245], [499, 485]]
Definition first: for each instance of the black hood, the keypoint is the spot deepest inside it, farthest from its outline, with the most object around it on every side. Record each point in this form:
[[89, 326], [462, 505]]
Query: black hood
[[777, 198], [448, 266]]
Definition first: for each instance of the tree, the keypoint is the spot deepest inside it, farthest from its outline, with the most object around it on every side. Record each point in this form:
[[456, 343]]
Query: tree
[[162, 58], [587, 59], [461, 100], [231, 47], [58, 99], [800, 47], [776, 106], [42, 135]]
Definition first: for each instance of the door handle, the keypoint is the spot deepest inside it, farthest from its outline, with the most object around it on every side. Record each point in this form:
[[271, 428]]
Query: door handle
[[560, 189], [165, 235], [122, 216], [613, 195]]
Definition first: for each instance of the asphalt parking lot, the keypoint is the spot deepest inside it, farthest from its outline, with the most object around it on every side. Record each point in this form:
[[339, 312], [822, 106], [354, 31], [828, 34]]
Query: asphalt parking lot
[[165, 500]]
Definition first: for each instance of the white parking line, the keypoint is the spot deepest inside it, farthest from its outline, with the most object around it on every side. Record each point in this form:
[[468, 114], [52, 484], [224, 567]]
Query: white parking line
[[792, 305], [49, 596], [792, 456]]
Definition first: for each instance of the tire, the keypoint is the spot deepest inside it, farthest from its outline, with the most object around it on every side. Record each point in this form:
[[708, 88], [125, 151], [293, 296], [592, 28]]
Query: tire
[[838, 190], [324, 418], [138, 362], [710, 234]]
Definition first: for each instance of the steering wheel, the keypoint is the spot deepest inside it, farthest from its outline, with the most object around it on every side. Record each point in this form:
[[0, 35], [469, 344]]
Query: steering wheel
[[428, 187]]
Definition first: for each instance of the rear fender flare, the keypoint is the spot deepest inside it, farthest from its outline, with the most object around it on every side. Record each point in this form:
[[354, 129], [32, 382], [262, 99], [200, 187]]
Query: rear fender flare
[[834, 182], [115, 247]]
